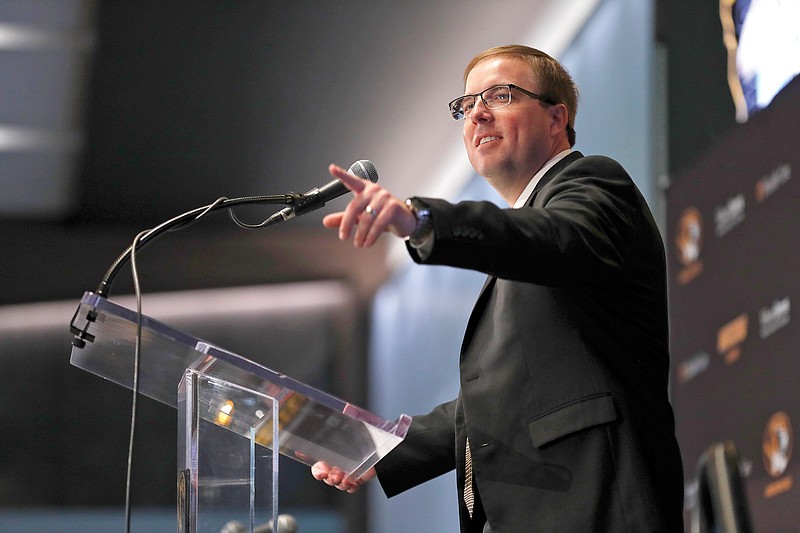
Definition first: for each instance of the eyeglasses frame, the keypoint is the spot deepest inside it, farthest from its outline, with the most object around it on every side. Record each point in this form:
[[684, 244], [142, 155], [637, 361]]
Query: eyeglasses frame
[[510, 86]]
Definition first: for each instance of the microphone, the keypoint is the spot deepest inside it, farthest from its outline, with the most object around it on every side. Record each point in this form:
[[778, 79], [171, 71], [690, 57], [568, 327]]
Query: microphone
[[286, 524], [319, 196]]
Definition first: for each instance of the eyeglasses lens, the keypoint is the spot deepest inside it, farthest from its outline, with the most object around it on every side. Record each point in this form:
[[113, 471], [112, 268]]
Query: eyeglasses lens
[[493, 98]]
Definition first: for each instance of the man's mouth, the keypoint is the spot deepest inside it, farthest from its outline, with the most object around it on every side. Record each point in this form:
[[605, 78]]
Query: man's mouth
[[485, 140]]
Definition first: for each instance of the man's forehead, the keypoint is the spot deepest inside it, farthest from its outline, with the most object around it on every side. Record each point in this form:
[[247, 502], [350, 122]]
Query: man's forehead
[[503, 68]]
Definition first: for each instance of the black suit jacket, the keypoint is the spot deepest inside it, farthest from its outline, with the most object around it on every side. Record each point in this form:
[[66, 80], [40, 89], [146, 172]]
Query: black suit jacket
[[564, 364]]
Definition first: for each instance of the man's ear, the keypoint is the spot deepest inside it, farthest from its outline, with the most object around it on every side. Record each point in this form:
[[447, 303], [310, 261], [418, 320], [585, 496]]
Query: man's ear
[[559, 117]]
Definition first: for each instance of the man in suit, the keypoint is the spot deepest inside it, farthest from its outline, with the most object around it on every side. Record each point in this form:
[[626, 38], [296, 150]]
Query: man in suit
[[562, 422]]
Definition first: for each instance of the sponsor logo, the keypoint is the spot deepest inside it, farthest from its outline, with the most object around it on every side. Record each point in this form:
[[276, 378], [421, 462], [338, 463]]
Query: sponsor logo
[[730, 337], [766, 186], [777, 447], [773, 318], [729, 215], [689, 243], [693, 367]]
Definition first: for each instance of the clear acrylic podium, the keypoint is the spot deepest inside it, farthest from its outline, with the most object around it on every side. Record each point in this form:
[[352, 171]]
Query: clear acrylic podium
[[228, 438]]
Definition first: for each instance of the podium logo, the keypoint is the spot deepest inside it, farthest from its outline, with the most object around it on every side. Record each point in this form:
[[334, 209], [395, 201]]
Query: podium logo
[[766, 186], [731, 336], [777, 447], [689, 242]]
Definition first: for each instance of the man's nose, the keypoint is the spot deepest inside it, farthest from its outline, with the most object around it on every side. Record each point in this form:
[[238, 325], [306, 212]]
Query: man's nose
[[480, 113]]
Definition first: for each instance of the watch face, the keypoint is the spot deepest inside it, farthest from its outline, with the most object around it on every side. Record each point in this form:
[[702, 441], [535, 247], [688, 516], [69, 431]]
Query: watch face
[[416, 206], [424, 227]]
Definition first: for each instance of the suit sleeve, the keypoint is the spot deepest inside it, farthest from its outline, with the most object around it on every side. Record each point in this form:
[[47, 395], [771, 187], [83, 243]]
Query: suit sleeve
[[427, 452], [579, 228]]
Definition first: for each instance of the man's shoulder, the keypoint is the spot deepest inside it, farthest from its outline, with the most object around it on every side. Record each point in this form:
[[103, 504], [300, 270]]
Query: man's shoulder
[[597, 162], [602, 168], [591, 175]]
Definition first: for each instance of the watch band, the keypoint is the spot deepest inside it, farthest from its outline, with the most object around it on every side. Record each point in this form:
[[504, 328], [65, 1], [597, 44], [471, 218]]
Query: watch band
[[424, 227]]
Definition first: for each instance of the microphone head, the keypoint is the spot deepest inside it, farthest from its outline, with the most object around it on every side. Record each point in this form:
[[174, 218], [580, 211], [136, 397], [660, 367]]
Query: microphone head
[[364, 169]]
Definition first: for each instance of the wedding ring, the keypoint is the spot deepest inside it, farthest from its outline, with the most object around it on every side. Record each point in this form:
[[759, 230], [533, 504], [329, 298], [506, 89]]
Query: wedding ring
[[371, 211]]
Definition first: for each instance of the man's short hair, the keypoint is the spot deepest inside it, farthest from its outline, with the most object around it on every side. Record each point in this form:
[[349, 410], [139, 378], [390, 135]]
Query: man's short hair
[[554, 80]]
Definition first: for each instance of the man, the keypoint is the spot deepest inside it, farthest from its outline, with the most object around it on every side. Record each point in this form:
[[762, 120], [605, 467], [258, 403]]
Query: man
[[562, 422]]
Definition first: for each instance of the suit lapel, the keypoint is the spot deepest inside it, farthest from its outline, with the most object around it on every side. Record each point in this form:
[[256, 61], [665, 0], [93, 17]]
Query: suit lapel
[[488, 286], [556, 169], [477, 311]]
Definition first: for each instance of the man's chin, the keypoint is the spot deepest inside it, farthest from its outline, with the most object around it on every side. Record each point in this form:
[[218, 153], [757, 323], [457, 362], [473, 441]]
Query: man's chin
[[490, 167]]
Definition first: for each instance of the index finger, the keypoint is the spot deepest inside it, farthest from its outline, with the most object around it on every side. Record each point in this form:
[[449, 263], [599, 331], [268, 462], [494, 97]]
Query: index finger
[[350, 181]]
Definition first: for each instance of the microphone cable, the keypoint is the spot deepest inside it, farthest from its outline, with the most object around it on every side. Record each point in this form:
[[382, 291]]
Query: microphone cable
[[137, 352]]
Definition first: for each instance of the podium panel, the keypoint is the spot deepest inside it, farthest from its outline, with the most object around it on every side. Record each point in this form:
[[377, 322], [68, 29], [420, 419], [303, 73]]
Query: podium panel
[[226, 398], [225, 482]]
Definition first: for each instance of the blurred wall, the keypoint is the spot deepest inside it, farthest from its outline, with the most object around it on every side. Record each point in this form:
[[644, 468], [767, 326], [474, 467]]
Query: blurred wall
[[45, 48]]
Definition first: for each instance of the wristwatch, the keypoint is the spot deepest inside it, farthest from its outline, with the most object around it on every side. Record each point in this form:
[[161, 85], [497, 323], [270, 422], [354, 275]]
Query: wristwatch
[[424, 226]]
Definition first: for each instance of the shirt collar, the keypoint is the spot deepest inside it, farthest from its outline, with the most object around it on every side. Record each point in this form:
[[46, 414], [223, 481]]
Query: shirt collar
[[528, 190]]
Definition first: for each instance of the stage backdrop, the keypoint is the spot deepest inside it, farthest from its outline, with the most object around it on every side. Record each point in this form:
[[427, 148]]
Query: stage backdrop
[[733, 224]]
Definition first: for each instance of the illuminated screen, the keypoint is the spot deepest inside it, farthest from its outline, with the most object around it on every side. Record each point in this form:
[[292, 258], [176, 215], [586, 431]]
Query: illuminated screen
[[763, 42]]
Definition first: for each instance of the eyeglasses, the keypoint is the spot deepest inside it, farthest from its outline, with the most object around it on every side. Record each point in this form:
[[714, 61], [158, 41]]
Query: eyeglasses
[[494, 97]]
